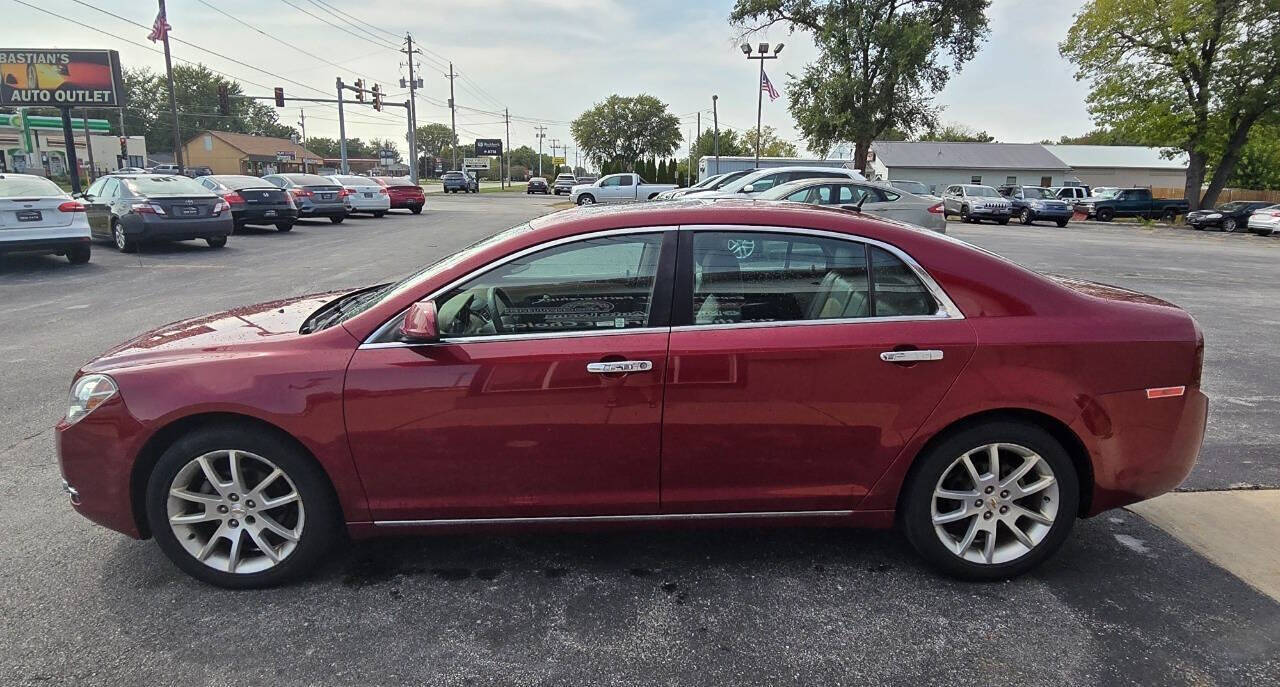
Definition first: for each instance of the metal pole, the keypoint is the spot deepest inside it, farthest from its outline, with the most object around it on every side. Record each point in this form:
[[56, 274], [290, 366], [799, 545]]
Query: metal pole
[[124, 147], [542, 133], [715, 118], [453, 118], [173, 101], [88, 142], [69, 139], [507, 151], [697, 139], [759, 108], [342, 131], [413, 113], [302, 122]]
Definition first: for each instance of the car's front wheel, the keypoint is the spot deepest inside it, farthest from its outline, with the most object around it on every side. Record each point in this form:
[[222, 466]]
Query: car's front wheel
[[1229, 224], [990, 502], [586, 199], [240, 508], [1027, 217]]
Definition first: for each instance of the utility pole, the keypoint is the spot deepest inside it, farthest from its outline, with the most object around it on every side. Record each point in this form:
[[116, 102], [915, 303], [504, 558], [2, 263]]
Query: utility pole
[[555, 143], [302, 122], [342, 130], [542, 133], [697, 136], [507, 150], [173, 101], [453, 116], [88, 143], [688, 168], [124, 144], [715, 119], [413, 110]]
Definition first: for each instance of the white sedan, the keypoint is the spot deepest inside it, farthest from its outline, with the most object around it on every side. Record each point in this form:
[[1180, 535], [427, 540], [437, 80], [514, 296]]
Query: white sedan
[[871, 198], [1265, 221], [363, 194], [36, 216]]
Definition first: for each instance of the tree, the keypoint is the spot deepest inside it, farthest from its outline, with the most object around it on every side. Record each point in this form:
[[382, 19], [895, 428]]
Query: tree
[[879, 64], [1099, 137], [730, 144], [378, 144], [662, 172], [1198, 73], [770, 144], [957, 133], [433, 140], [1259, 165], [324, 147], [626, 129]]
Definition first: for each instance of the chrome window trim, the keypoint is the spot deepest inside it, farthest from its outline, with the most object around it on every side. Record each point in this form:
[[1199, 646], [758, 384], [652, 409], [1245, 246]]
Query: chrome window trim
[[947, 309], [371, 341], [644, 517]]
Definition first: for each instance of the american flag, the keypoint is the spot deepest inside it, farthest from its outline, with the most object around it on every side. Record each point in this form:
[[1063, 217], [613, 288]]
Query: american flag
[[767, 86], [160, 29]]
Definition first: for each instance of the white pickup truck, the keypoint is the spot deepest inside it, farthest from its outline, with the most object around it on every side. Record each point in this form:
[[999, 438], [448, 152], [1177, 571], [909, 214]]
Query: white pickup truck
[[617, 188]]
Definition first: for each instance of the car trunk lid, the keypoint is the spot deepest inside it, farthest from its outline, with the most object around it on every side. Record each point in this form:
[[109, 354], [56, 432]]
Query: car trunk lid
[[34, 213], [184, 207]]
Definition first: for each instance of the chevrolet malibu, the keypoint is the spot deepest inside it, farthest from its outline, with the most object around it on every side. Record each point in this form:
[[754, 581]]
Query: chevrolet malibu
[[686, 362]]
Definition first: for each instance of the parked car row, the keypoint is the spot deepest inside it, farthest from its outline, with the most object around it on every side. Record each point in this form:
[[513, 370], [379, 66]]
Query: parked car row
[[128, 210], [1257, 216]]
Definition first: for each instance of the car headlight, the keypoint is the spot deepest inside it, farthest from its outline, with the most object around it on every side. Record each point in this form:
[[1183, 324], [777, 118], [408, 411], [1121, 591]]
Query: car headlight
[[1214, 215], [89, 392]]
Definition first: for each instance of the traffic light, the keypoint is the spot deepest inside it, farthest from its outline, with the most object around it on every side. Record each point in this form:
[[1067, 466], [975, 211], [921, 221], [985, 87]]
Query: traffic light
[[377, 97], [279, 96], [224, 100], [360, 90]]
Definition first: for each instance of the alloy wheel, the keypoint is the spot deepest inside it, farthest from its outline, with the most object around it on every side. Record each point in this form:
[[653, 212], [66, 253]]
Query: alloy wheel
[[235, 511], [117, 233], [995, 503]]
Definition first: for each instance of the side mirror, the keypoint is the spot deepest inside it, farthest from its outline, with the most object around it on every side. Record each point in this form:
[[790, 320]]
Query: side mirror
[[419, 324], [748, 188]]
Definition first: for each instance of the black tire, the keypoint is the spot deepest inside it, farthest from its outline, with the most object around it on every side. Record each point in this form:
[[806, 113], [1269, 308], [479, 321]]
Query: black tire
[[322, 526], [916, 508], [964, 215], [1003, 221], [1169, 216], [1105, 215], [123, 242], [1230, 225], [1062, 223], [78, 255], [586, 199], [284, 226], [216, 241], [337, 219], [417, 210], [1027, 217], [236, 227]]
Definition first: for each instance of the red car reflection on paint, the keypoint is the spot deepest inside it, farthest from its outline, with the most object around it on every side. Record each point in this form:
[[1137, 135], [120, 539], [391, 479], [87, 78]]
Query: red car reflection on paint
[[710, 362]]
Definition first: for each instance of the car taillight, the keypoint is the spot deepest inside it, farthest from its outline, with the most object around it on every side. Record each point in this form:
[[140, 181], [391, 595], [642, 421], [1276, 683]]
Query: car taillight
[[346, 192], [383, 191], [71, 206], [222, 205], [147, 209], [302, 193], [234, 198], [936, 209]]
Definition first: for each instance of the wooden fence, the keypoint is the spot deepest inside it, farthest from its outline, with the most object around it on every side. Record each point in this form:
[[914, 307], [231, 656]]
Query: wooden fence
[[1227, 195]]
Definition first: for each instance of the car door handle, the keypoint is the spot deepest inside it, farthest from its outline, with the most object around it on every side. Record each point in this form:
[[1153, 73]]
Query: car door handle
[[620, 367], [910, 356]]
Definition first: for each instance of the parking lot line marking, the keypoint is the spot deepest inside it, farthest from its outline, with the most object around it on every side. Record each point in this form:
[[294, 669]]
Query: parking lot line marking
[[1237, 530]]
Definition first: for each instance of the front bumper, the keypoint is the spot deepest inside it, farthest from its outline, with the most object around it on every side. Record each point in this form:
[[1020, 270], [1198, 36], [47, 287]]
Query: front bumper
[[96, 457], [1051, 213], [990, 213]]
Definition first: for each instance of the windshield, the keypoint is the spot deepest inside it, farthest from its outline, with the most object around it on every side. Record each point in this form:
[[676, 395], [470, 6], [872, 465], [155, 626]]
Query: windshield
[[1105, 192], [166, 186], [706, 183], [911, 187], [729, 179], [1231, 207], [28, 187], [1037, 192], [349, 305], [981, 192]]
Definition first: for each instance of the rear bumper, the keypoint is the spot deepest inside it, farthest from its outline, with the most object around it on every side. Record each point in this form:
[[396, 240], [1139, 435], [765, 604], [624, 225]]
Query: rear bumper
[[44, 245], [1144, 447], [266, 215], [362, 204], [339, 210], [172, 229]]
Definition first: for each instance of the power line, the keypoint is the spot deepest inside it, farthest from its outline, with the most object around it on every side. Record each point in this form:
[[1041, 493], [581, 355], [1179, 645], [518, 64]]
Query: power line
[[379, 42], [335, 10]]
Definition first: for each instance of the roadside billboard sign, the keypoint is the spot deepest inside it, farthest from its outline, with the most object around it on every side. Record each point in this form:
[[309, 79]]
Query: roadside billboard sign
[[557, 160], [489, 146], [60, 78], [475, 163]]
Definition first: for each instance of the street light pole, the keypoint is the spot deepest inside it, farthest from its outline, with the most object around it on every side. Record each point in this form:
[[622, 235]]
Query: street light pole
[[763, 55]]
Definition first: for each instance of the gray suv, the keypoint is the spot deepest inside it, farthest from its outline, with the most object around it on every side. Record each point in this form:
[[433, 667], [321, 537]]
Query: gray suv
[[974, 203], [455, 182]]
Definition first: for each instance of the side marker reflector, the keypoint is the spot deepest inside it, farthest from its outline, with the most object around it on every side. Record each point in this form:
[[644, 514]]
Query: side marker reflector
[[1166, 392]]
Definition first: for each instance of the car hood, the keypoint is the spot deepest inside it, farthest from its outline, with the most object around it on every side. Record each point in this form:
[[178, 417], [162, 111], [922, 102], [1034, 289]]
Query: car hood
[[215, 333]]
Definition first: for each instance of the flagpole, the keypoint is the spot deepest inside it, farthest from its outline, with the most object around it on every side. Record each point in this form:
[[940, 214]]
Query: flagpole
[[759, 105], [173, 102]]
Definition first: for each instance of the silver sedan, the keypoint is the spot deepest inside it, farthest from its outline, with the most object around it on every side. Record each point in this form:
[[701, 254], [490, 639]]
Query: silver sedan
[[870, 197]]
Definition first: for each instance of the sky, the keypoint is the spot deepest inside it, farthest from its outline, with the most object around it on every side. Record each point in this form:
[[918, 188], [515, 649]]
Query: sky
[[548, 60]]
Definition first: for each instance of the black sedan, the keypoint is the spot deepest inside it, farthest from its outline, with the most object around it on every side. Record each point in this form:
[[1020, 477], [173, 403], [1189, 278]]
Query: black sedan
[[253, 200], [1233, 216], [538, 185], [131, 209]]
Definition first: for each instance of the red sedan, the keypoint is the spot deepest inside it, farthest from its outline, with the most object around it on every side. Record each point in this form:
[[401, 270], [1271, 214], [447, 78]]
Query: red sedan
[[685, 362], [404, 193]]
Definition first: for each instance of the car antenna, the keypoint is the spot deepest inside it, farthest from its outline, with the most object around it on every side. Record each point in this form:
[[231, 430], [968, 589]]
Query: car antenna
[[863, 199]]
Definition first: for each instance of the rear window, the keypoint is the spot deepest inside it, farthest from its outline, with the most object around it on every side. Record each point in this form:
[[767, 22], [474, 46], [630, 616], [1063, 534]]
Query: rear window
[[28, 187], [308, 179], [165, 185], [353, 181], [236, 183], [452, 175]]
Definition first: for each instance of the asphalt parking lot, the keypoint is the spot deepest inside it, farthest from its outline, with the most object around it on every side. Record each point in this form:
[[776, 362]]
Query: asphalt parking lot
[[1122, 603]]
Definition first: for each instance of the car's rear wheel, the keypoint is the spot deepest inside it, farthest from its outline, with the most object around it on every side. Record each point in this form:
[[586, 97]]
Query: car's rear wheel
[[1169, 216], [78, 255], [379, 213], [123, 243], [991, 502], [337, 219], [1062, 223], [240, 508], [284, 226], [216, 241], [1106, 215], [417, 209]]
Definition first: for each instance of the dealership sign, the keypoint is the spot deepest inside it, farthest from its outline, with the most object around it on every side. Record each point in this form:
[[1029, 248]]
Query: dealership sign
[[60, 78], [475, 163], [489, 146]]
